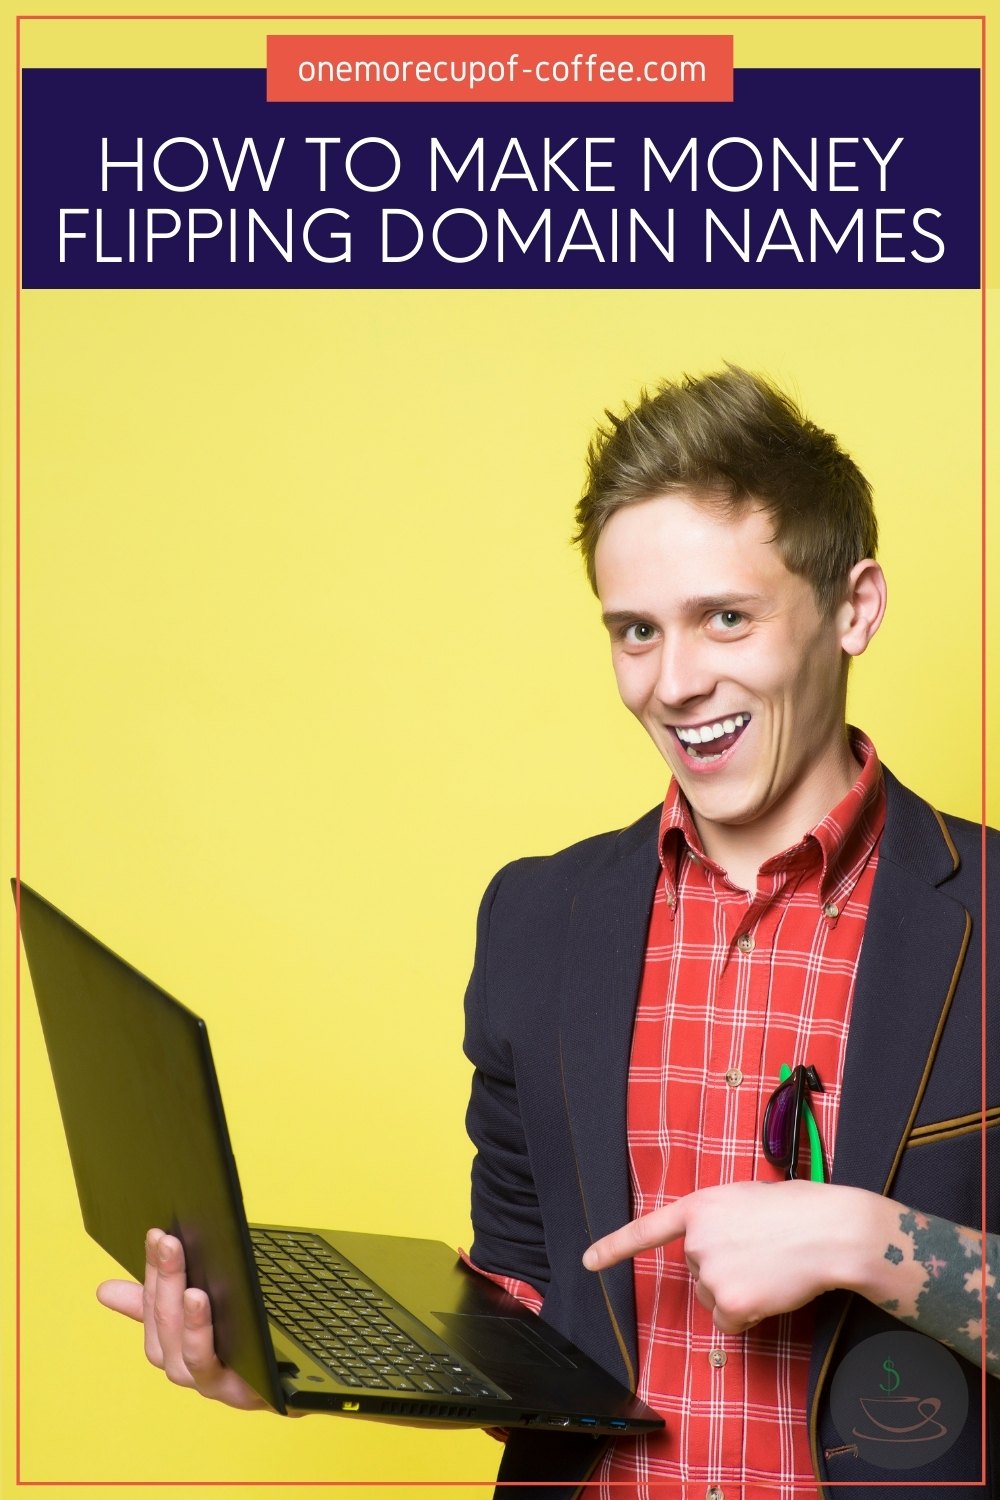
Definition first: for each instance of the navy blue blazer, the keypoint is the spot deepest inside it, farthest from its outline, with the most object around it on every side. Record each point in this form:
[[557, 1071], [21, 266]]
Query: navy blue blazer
[[549, 1012]]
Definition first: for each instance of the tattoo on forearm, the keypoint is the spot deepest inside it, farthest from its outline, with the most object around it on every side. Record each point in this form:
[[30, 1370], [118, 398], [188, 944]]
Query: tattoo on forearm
[[949, 1305]]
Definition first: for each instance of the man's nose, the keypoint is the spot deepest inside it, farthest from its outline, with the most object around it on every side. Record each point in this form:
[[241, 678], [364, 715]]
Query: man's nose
[[685, 671]]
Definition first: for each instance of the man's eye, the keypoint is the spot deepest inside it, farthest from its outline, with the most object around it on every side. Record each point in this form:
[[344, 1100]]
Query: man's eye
[[639, 634], [729, 619]]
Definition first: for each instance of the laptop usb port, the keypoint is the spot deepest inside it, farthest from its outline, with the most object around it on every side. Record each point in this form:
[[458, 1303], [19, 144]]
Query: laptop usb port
[[587, 1421], [617, 1422]]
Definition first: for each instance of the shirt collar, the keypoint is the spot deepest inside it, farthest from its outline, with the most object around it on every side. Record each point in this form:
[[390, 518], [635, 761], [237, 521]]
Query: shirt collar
[[842, 842]]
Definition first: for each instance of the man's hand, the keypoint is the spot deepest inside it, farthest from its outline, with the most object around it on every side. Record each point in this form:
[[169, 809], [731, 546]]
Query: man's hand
[[760, 1248], [756, 1249], [177, 1325]]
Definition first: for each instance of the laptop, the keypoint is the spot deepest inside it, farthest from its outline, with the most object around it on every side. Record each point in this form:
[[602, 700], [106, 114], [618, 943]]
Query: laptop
[[344, 1322]]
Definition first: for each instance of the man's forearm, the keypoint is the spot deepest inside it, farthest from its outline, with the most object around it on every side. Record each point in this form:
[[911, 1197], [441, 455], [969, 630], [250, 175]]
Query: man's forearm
[[931, 1274]]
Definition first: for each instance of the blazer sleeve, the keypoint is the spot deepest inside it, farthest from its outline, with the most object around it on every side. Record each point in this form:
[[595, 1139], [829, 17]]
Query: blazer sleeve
[[506, 1217]]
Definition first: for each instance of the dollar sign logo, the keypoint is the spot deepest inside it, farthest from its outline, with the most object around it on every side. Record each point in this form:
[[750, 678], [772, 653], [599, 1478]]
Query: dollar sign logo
[[893, 1374]]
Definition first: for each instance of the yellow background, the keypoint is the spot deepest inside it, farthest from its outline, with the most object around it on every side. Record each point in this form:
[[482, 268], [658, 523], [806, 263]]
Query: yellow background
[[306, 655]]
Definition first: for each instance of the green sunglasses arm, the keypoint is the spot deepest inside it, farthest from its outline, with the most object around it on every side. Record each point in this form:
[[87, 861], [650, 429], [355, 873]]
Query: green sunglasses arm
[[816, 1172]]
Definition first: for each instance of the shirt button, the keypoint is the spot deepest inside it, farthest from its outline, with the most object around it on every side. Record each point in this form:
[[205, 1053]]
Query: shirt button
[[717, 1358], [715, 1492], [831, 909], [745, 943], [734, 1077]]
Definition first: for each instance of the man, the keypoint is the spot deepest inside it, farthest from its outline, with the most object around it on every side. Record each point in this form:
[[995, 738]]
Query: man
[[635, 997], [635, 1000]]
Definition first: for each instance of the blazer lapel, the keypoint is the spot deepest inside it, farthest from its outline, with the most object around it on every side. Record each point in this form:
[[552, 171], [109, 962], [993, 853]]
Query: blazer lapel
[[914, 944], [601, 976]]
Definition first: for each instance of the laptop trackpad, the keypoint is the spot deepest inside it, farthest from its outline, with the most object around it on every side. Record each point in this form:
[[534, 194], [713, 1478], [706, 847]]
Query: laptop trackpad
[[499, 1339]]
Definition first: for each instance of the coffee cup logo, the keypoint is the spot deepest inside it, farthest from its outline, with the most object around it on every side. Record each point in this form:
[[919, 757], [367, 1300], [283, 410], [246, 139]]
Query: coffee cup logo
[[898, 1419], [899, 1400]]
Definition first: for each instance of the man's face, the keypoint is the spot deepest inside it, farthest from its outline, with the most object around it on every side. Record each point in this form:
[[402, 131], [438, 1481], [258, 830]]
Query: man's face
[[725, 658]]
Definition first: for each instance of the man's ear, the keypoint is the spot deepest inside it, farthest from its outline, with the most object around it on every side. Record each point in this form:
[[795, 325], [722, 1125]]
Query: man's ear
[[860, 615]]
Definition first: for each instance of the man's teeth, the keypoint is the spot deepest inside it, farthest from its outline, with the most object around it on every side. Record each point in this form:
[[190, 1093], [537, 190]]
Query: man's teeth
[[709, 732]]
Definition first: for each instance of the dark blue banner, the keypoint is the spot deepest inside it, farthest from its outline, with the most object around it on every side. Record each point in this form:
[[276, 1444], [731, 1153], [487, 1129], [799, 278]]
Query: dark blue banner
[[189, 178]]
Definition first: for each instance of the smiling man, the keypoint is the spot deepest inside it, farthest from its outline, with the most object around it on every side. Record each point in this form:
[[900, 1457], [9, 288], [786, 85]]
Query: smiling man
[[734, 669], [728, 1093], [786, 955]]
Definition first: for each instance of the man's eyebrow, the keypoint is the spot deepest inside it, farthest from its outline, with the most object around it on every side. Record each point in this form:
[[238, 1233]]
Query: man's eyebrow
[[697, 604], [706, 603]]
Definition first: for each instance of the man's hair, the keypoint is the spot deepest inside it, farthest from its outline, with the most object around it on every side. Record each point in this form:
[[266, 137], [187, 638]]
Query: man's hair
[[734, 441]]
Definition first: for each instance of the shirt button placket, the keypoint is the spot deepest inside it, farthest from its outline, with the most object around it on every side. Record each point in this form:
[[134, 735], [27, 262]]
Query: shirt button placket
[[715, 1492]]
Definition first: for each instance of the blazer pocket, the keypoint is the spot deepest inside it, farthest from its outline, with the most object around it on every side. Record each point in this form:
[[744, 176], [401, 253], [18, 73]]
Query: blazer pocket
[[945, 1130]]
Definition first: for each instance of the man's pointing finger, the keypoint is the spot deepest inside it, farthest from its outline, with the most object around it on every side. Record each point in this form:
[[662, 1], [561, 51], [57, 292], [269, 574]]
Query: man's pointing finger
[[657, 1228]]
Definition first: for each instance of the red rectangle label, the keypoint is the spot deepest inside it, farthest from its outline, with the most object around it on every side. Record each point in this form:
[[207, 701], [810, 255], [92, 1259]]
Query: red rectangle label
[[499, 69]]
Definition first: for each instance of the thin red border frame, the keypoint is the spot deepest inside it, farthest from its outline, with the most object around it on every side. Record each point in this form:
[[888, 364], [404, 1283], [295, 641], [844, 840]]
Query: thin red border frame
[[443, 1484]]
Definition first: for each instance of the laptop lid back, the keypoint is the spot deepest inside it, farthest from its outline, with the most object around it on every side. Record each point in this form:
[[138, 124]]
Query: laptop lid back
[[145, 1127]]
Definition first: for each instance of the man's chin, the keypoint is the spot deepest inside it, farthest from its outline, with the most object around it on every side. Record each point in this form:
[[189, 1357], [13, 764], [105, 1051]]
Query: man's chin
[[717, 805]]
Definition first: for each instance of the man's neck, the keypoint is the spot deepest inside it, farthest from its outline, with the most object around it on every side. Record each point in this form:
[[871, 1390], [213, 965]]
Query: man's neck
[[741, 848]]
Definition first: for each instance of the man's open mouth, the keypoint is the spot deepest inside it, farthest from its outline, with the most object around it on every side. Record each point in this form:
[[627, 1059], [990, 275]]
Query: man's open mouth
[[710, 741]]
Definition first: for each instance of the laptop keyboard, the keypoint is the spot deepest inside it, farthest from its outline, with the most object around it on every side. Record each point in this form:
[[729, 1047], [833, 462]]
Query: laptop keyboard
[[347, 1324]]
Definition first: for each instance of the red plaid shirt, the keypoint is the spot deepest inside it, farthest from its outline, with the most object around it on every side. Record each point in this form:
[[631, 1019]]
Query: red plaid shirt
[[734, 985]]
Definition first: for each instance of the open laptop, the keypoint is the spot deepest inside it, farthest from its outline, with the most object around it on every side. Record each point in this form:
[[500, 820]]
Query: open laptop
[[357, 1324]]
